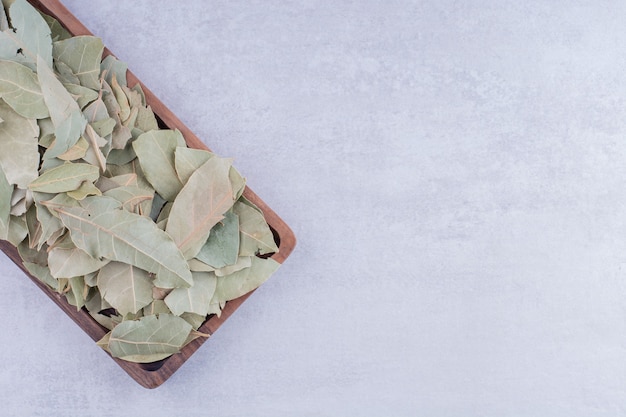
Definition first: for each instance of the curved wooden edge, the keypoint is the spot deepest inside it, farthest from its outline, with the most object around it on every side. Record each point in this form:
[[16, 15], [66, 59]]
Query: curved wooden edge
[[140, 373]]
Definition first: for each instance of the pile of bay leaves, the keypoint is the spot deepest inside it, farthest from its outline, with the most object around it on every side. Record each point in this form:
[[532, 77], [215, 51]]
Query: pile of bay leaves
[[104, 206]]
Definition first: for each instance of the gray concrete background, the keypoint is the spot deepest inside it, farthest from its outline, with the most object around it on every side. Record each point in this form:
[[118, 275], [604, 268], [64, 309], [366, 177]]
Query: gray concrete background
[[455, 172]]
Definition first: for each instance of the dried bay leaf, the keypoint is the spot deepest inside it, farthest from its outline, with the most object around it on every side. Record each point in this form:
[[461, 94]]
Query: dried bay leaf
[[128, 289], [164, 215], [77, 151], [18, 231], [244, 200], [69, 122], [97, 111], [195, 299], [19, 157], [66, 177], [42, 273], [34, 227], [78, 292], [130, 122], [111, 66], [65, 260], [242, 282], [198, 266], [33, 255], [156, 307], [132, 198], [256, 236], [196, 320], [6, 190], [105, 233], [94, 301], [83, 95], [89, 134], [137, 88], [57, 31], [104, 128], [238, 183], [21, 201], [189, 160], [222, 247], [94, 154], [105, 183], [86, 189], [91, 279], [108, 322], [149, 339], [146, 120], [50, 163], [4, 21], [243, 262], [200, 205], [20, 89], [83, 55], [121, 98], [49, 223], [121, 134], [131, 168], [65, 74], [46, 132], [158, 203], [59, 201], [155, 151], [121, 156], [29, 39]]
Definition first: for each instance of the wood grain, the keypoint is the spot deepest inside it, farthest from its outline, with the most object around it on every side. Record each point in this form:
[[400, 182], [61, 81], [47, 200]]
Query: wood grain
[[152, 375]]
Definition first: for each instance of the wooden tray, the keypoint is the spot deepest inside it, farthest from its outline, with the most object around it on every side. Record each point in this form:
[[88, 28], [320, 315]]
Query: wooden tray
[[154, 374]]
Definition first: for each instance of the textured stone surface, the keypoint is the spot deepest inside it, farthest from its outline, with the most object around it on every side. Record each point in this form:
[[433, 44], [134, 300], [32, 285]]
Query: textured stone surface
[[455, 173]]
